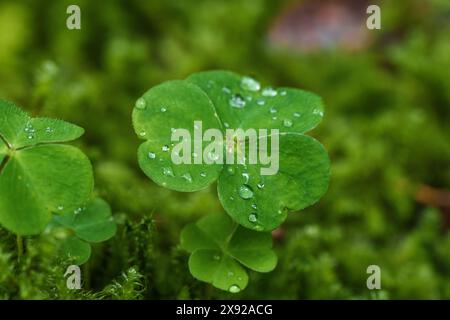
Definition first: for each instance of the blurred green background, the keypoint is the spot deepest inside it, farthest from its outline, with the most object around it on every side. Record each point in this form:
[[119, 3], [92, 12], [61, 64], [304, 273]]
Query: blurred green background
[[386, 127]]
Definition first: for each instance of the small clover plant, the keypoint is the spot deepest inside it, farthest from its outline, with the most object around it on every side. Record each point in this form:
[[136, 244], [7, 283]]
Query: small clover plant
[[91, 224], [222, 100], [220, 248], [39, 176]]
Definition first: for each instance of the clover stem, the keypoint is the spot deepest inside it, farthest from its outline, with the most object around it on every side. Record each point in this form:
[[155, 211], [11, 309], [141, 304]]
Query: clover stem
[[19, 247], [227, 241]]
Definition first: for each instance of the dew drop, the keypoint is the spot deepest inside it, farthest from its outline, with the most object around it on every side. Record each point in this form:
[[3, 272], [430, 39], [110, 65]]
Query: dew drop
[[230, 273], [202, 174], [297, 115], [165, 148], [254, 206], [168, 172], [226, 125], [226, 90], [142, 133], [317, 111], [252, 218], [283, 93], [246, 176], [230, 170], [187, 176], [236, 101], [213, 156], [287, 123], [269, 92], [163, 109], [273, 110], [245, 192], [234, 289], [60, 208], [194, 154], [48, 130], [151, 155], [248, 83], [216, 257], [260, 102], [141, 104], [260, 185]]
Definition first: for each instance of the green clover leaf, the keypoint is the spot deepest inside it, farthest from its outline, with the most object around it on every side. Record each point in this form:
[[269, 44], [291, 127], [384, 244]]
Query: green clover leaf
[[161, 110], [220, 249], [39, 177], [91, 224], [222, 99]]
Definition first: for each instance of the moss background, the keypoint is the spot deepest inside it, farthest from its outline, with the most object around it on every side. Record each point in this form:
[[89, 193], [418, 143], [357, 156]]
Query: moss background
[[386, 129]]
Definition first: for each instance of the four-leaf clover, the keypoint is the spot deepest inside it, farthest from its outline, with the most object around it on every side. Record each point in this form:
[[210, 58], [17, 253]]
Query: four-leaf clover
[[221, 100]]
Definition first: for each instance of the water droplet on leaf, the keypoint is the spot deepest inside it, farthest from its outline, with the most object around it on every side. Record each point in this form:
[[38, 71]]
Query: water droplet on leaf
[[168, 172], [236, 101], [252, 218], [141, 104], [187, 176], [287, 123], [226, 90], [319, 112], [269, 92], [234, 289], [245, 192], [213, 156], [260, 102], [248, 83]]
